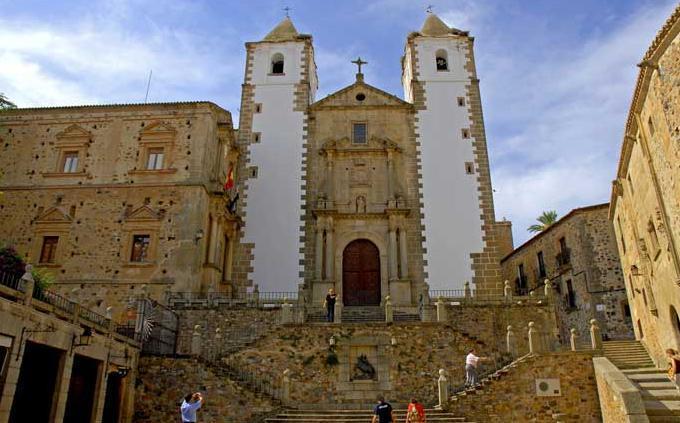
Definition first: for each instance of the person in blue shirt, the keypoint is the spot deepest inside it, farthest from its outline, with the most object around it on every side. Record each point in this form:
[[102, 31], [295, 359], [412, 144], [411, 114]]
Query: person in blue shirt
[[191, 403], [382, 413]]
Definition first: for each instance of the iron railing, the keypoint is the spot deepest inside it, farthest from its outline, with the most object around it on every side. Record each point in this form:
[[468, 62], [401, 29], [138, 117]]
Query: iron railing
[[93, 317], [215, 299], [54, 299], [11, 281], [256, 382], [484, 373]]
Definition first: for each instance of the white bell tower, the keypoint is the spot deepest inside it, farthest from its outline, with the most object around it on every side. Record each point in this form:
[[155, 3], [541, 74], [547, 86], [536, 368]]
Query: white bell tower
[[280, 82], [440, 79]]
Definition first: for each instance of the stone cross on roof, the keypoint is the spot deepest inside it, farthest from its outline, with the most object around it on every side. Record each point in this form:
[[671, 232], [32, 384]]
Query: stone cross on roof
[[429, 8], [359, 62], [287, 10]]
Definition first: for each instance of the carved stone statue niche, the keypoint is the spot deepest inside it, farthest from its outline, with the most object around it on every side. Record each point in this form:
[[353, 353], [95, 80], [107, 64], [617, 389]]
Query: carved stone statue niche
[[363, 369]]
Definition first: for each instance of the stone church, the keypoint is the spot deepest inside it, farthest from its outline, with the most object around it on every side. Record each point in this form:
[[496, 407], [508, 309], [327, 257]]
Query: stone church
[[391, 194], [360, 191]]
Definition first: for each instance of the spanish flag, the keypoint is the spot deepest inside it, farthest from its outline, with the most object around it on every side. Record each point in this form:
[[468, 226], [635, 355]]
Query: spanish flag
[[230, 179]]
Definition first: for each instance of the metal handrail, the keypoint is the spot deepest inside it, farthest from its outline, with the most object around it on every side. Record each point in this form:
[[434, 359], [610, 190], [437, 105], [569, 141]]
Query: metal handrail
[[94, 317], [11, 281], [54, 299]]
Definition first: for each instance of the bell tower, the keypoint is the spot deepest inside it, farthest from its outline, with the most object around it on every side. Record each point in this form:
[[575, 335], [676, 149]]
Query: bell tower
[[280, 82], [440, 79]]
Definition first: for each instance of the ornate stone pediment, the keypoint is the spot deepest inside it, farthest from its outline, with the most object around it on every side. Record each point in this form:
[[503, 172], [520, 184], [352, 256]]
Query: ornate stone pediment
[[360, 94], [53, 215], [144, 214], [159, 128], [73, 135], [344, 144]]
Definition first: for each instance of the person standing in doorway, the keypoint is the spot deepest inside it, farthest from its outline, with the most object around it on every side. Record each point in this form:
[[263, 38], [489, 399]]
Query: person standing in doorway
[[191, 403], [382, 413], [329, 302], [471, 367]]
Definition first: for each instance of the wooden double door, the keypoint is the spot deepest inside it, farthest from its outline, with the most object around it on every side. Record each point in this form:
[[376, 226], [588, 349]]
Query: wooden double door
[[361, 274]]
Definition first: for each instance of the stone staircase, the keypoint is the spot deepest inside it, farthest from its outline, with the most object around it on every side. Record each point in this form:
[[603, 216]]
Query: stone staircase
[[367, 314], [660, 396], [486, 380], [351, 416], [629, 354]]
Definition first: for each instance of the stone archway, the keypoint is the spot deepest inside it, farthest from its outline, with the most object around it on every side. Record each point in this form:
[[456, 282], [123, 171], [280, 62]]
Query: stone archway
[[361, 274]]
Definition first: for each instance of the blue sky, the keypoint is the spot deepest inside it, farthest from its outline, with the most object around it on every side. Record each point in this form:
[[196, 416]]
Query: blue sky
[[556, 76]]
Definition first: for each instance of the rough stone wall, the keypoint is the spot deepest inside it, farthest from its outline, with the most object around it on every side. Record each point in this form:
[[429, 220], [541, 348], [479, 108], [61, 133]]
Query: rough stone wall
[[646, 195], [96, 210], [163, 382], [593, 269], [489, 322], [420, 351], [513, 397], [233, 325]]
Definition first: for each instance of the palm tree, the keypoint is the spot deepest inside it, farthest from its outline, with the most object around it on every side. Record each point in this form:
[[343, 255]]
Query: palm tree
[[5, 103], [547, 219]]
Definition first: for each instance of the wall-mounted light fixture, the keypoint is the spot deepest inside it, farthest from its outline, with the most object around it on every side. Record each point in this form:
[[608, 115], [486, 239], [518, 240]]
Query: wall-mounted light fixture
[[84, 339]]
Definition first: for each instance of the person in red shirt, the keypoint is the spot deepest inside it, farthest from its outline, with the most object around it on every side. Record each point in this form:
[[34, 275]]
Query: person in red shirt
[[415, 412]]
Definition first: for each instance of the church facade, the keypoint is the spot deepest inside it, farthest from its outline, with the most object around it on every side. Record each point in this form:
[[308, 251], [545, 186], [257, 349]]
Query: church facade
[[390, 194]]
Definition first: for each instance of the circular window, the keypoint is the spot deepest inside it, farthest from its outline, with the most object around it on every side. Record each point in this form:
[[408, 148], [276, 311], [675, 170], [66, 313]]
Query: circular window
[[361, 97]]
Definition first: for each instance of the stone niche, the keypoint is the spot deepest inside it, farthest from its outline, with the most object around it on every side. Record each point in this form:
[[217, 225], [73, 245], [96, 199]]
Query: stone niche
[[363, 367]]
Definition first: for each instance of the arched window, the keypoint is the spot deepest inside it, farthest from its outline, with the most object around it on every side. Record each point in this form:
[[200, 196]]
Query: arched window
[[277, 64], [442, 60]]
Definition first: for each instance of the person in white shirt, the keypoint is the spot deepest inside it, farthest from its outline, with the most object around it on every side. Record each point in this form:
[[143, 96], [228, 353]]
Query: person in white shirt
[[471, 363], [191, 403]]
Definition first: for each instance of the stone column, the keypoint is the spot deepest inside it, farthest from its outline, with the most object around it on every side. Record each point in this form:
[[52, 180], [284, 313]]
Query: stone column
[[572, 339], [441, 310], [14, 362], [392, 256], [510, 342], [330, 178], [285, 386], [507, 290], [595, 335], [330, 250], [403, 253], [534, 339], [61, 389], [318, 256], [213, 242], [390, 184], [548, 289], [228, 272], [29, 284], [338, 311], [196, 340], [100, 396], [468, 291], [443, 389], [286, 312], [389, 313]]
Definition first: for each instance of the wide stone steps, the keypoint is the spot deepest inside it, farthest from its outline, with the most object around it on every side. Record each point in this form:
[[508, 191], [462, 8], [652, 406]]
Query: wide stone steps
[[627, 354], [351, 416], [363, 315]]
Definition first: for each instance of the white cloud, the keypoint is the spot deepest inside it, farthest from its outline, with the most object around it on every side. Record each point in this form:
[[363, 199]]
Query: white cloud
[[555, 126], [98, 61]]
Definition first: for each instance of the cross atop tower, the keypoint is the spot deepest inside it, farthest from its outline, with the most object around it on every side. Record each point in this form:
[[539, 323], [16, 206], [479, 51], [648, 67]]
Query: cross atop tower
[[287, 10], [359, 62], [429, 8]]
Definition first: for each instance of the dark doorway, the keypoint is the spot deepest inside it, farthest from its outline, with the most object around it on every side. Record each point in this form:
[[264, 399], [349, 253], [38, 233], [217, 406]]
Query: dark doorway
[[81, 390], [113, 398], [361, 274], [35, 391]]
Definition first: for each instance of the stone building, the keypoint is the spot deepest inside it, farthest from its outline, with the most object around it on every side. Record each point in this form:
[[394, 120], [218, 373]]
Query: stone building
[[645, 201], [578, 255], [116, 199], [60, 362]]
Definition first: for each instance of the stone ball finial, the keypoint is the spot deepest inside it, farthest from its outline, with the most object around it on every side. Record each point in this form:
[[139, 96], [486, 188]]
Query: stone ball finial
[[506, 283], [387, 298], [442, 372], [286, 372], [531, 325], [197, 327], [28, 268], [509, 328], [547, 282], [467, 283], [593, 322]]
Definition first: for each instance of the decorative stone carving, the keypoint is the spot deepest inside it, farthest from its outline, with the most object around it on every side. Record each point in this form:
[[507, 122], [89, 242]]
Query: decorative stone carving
[[363, 369]]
